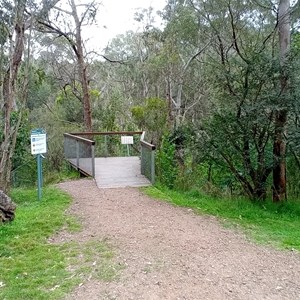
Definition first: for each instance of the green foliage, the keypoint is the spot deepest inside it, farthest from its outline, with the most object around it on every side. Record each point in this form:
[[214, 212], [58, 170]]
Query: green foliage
[[55, 126], [94, 93], [229, 91], [182, 27], [138, 113], [293, 174], [34, 268], [166, 165], [266, 222], [41, 88], [21, 152], [151, 117], [70, 101], [108, 116]]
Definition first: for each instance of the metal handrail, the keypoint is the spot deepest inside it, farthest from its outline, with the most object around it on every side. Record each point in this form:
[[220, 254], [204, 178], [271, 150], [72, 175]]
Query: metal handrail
[[107, 133], [147, 151], [147, 167], [79, 138], [76, 163], [148, 145]]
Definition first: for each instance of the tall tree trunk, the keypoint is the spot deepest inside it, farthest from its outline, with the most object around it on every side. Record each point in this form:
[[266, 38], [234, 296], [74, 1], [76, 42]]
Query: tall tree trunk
[[9, 97], [169, 99], [82, 68], [279, 146]]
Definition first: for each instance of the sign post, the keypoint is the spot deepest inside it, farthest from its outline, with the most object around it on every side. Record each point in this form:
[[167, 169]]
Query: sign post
[[39, 147], [127, 140]]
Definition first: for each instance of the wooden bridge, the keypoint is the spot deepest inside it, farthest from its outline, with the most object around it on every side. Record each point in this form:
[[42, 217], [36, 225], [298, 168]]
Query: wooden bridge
[[113, 159]]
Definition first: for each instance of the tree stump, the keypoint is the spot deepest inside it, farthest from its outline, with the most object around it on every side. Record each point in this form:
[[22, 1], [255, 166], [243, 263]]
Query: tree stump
[[7, 208]]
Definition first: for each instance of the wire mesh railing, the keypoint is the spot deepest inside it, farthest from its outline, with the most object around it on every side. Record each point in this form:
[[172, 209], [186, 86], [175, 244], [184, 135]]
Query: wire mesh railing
[[111, 146], [108, 144], [147, 159], [80, 152], [82, 148]]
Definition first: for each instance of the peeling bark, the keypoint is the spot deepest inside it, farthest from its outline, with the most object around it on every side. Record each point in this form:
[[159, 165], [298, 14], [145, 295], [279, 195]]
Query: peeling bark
[[9, 97], [281, 114]]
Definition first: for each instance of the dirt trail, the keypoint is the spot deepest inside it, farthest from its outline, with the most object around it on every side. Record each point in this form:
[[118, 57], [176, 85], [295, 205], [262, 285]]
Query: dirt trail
[[171, 253]]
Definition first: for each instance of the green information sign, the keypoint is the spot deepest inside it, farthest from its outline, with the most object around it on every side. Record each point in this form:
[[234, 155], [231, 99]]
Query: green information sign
[[39, 147]]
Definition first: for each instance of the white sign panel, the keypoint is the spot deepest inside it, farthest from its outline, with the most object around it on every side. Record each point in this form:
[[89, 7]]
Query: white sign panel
[[126, 140], [38, 143]]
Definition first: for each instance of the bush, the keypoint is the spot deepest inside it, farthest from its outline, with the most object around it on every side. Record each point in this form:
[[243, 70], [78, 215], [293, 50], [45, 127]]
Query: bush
[[167, 169]]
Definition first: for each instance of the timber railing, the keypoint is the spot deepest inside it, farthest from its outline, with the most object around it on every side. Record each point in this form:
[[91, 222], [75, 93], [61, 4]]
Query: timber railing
[[81, 148]]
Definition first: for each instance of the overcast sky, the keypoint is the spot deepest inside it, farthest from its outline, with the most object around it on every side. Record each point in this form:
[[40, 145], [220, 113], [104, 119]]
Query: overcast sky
[[115, 17]]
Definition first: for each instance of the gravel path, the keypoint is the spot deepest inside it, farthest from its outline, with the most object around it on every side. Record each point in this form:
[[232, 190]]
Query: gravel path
[[172, 253]]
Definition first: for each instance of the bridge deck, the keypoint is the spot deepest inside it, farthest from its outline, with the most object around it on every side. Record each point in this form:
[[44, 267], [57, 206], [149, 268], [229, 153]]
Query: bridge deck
[[119, 172], [113, 172]]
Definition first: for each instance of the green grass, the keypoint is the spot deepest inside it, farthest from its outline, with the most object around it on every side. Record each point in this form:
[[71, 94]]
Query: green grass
[[268, 223], [32, 267], [68, 173]]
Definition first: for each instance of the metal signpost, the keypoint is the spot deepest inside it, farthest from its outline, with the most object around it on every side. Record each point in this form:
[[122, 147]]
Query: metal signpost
[[39, 147]]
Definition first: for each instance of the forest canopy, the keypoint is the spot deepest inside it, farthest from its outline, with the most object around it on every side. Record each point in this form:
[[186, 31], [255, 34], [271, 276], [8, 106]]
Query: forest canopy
[[217, 88]]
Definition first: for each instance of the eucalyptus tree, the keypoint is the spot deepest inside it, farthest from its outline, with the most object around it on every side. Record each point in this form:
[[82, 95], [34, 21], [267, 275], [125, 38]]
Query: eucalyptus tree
[[161, 63], [281, 112], [184, 46], [133, 68], [249, 81], [66, 21], [125, 82], [14, 22]]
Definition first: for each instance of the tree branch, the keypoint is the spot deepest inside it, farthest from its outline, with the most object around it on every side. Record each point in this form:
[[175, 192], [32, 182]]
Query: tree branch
[[63, 10], [114, 61], [55, 30], [235, 36]]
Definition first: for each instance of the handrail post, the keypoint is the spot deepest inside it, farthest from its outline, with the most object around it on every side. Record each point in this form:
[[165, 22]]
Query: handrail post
[[152, 166], [77, 154], [93, 161], [105, 146], [142, 161]]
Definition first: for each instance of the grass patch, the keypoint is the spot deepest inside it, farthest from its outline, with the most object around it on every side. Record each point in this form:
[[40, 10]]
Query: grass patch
[[276, 224], [33, 268], [68, 173]]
